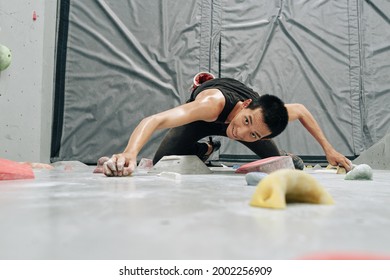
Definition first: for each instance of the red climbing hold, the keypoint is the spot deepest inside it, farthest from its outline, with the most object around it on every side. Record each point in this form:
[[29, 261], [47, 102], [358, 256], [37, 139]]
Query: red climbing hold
[[12, 170]]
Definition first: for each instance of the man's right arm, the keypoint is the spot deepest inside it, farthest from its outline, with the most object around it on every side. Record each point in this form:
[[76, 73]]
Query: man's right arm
[[207, 107]]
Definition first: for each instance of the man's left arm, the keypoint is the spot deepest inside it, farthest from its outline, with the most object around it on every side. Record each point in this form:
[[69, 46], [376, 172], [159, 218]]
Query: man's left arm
[[300, 112]]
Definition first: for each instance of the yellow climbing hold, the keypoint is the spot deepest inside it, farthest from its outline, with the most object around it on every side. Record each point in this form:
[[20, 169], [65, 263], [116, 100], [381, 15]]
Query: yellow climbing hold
[[287, 185]]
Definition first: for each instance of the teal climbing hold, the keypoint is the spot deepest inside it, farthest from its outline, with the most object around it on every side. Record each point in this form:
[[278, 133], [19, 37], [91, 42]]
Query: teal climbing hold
[[5, 57], [360, 172]]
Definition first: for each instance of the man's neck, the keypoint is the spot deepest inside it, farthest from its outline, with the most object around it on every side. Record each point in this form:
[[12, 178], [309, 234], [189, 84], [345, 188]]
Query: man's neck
[[237, 108]]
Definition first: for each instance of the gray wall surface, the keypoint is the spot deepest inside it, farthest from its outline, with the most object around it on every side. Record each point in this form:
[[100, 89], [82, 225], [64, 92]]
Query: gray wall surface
[[26, 86]]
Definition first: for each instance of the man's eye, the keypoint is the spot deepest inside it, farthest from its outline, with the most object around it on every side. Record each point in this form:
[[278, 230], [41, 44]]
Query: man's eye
[[246, 121], [253, 135]]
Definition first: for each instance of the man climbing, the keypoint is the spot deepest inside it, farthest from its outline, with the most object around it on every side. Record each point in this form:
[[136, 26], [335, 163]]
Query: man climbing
[[222, 107]]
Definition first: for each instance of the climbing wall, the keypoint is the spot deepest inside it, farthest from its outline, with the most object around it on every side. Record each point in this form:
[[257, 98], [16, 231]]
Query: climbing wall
[[28, 29], [119, 61]]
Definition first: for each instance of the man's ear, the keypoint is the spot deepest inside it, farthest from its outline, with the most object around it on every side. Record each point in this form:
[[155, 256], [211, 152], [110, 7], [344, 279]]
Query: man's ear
[[246, 103]]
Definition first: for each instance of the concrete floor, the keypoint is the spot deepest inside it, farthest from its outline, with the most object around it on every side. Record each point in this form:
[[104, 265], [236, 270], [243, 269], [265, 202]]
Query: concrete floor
[[71, 213]]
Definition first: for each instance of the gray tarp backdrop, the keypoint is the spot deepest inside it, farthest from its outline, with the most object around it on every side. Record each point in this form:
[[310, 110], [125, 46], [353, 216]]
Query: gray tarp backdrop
[[120, 61]]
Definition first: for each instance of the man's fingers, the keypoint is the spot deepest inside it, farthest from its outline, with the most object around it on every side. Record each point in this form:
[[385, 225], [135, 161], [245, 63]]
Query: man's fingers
[[99, 167], [102, 160], [106, 170], [349, 165], [112, 164], [127, 171], [110, 167], [120, 163]]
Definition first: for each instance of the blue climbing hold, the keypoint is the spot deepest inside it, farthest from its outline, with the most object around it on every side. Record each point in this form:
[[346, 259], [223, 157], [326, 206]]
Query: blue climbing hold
[[253, 178]]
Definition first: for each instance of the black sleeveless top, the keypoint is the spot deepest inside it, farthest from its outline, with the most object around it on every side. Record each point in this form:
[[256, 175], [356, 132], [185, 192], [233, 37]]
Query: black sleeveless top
[[233, 91]]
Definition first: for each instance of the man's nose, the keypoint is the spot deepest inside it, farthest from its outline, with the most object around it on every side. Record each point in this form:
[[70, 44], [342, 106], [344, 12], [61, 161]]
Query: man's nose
[[242, 131]]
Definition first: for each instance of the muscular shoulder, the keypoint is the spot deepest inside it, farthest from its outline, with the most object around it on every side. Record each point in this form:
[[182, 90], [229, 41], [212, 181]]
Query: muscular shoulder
[[295, 111], [212, 100]]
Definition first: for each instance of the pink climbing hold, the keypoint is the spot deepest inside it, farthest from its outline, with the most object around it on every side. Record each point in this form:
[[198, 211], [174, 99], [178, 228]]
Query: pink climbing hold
[[12, 170], [267, 165]]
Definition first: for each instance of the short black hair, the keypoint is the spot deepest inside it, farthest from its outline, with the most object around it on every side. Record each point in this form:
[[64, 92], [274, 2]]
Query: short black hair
[[274, 113]]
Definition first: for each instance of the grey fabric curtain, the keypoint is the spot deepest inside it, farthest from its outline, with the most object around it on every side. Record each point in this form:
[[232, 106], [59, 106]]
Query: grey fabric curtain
[[126, 60]]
